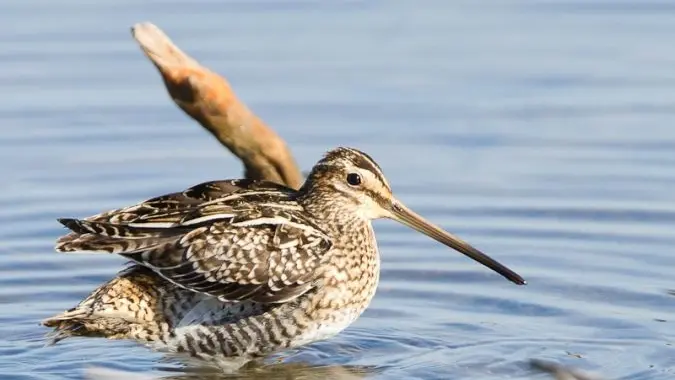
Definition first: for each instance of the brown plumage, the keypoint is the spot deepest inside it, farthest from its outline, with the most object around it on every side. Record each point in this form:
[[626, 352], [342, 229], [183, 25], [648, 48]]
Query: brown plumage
[[251, 244], [136, 302], [258, 267]]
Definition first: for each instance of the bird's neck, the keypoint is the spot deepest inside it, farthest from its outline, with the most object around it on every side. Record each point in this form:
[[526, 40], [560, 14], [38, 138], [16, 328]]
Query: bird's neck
[[351, 275]]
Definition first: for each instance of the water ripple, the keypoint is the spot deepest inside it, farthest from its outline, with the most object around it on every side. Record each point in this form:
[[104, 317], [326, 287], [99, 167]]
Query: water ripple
[[541, 132]]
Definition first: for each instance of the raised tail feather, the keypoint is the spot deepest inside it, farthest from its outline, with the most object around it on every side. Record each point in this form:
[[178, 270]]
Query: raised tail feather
[[65, 325]]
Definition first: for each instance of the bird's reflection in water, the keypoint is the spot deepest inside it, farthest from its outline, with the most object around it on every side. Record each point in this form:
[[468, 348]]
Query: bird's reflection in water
[[560, 372], [280, 371], [303, 371], [250, 371]]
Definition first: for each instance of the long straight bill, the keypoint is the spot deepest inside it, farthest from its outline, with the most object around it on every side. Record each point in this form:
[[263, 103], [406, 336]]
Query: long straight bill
[[406, 216]]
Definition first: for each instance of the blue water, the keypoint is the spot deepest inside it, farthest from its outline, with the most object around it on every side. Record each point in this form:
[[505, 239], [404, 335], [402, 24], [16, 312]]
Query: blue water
[[540, 131]]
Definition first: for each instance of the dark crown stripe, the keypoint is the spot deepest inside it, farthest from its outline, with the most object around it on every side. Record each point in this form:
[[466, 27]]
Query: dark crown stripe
[[364, 161]]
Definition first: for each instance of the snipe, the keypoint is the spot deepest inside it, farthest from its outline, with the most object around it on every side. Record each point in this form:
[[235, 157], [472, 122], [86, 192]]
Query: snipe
[[276, 267]]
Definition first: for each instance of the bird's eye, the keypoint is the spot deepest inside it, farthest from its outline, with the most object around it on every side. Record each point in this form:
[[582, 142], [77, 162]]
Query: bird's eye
[[353, 179]]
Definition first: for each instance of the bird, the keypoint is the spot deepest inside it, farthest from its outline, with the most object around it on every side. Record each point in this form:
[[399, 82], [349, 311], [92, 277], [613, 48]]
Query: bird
[[256, 267]]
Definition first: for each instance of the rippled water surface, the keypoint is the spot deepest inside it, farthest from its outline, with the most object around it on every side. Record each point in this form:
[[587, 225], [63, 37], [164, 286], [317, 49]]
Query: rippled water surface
[[541, 131]]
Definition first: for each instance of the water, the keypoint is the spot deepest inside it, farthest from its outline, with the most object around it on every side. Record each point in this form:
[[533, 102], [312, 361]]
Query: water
[[540, 131]]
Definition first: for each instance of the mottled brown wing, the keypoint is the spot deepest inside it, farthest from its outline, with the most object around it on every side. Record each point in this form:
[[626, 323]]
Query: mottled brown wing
[[261, 258], [210, 198], [250, 244]]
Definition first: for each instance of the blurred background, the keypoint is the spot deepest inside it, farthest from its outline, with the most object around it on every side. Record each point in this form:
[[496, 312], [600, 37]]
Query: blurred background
[[540, 131]]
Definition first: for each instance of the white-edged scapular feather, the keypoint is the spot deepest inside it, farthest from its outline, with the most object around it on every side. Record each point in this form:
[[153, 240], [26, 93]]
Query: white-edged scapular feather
[[207, 218], [278, 221]]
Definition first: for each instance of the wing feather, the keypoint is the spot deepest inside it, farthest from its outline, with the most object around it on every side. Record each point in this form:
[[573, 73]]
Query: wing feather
[[234, 240]]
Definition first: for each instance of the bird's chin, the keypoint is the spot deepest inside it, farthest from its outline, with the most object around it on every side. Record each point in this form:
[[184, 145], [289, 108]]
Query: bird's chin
[[373, 212]]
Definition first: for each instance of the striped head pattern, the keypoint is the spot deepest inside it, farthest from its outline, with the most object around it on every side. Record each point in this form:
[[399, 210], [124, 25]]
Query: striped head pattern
[[356, 179]]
